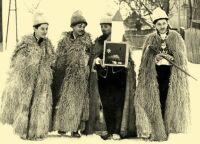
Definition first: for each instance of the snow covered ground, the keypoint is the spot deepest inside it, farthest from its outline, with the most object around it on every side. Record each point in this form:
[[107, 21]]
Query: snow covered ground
[[7, 135]]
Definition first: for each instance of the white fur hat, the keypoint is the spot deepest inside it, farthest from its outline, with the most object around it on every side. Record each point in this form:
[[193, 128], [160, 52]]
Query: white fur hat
[[158, 13], [39, 18], [107, 18]]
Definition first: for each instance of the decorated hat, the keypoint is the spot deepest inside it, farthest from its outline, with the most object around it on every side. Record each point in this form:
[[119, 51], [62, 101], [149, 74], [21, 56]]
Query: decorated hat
[[39, 18], [158, 13], [106, 19], [77, 18]]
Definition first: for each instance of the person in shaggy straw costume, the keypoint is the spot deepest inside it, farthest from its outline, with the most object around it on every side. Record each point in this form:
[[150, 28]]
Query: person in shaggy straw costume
[[162, 98], [70, 86], [112, 92], [27, 97]]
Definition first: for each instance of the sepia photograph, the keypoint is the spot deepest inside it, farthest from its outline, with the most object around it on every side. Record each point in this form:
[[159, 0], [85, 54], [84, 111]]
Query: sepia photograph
[[99, 71]]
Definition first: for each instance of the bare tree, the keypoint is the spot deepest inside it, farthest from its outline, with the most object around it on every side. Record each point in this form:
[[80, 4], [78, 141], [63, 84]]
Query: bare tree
[[32, 5], [143, 9], [146, 5]]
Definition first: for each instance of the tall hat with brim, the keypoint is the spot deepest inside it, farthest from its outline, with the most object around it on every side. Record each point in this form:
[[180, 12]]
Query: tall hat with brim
[[77, 18], [39, 18], [157, 14], [106, 19]]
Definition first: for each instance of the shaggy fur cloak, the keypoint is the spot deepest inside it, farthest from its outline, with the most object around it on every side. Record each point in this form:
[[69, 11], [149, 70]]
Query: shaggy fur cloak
[[72, 100], [27, 97], [149, 121], [96, 121]]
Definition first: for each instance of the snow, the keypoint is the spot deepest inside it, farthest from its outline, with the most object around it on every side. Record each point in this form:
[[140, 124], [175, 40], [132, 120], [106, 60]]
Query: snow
[[59, 15], [7, 135]]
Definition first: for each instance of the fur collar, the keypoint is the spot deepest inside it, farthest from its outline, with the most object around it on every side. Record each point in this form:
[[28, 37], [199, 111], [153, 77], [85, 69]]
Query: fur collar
[[85, 39], [30, 39]]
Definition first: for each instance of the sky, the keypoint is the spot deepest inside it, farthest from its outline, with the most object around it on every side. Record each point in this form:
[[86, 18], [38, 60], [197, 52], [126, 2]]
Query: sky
[[58, 12]]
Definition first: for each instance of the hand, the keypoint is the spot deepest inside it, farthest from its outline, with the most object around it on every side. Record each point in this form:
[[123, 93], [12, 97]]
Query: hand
[[99, 61], [159, 57], [169, 57]]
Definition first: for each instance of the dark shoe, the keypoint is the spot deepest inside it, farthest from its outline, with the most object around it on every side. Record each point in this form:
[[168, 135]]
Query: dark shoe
[[61, 132], [75, 135], [106, 136]]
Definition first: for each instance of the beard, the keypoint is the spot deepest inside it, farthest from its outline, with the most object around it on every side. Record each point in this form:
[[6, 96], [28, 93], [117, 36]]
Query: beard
[[106, 34]]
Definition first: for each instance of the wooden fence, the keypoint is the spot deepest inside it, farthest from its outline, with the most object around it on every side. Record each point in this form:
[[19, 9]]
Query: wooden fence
[[192, 40]]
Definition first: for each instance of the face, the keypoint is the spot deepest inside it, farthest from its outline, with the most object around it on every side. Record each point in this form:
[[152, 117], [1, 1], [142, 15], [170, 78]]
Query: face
[[41, 31], [106, 29], [79, 29], [161, 25]]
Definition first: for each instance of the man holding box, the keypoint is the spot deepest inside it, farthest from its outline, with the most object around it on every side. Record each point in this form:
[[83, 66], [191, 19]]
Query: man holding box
[[115, 86]]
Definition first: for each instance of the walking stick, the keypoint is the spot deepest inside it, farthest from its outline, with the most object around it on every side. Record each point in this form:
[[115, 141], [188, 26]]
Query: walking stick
[[173, 63]]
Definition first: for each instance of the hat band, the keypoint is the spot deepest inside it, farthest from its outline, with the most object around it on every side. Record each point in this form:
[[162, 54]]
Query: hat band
[[40, 24], [106, 23], [155, 21], [79, 22]]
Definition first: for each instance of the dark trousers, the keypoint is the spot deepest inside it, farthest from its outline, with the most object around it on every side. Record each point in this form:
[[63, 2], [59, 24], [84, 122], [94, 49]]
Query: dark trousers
[[112, 93], [58, 77], [163, 77]]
